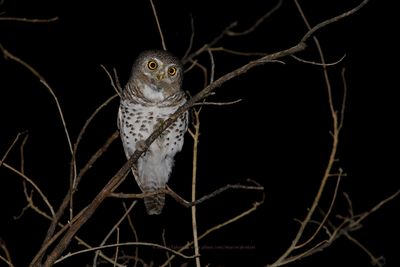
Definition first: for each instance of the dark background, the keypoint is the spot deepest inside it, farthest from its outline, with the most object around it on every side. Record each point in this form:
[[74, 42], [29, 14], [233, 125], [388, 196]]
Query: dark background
[[278, 135]]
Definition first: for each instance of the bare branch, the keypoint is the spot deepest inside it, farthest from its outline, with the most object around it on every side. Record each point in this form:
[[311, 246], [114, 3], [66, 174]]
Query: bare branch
[[22, 153], [158, 25], [66, 199], [195, 136], [212, 65], [28, 20], [10, 148], [377, 207], [189, 58], [38, 190], [165, 245], [238, 53], [217, 227], [48, 217], [228, 32], [7, 259], [191, 38], [115, 85], [332, 20], [218, 103], [82, 131], [284, 258], [344, 98], [317, 63], [145, 244], [7, 55], [258, 22], [134, 234], [112, 231], [322, 223], [375, 261], [195, 63]]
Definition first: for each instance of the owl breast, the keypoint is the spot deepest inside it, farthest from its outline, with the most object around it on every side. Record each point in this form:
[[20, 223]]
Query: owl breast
[[152, 92], [138, 121]]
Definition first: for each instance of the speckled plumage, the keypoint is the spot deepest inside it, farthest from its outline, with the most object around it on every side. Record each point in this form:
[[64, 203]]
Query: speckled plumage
[[151, 95]]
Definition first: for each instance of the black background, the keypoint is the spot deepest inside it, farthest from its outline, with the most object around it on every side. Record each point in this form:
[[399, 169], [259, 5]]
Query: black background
[[278, 135]]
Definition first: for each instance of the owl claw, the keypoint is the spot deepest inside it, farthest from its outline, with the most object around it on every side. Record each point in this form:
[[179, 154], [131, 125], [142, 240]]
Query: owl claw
[[158, 123], [141, 145]]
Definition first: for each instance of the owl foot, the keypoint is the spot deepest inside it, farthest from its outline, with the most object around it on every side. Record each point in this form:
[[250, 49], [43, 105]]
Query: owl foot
[[141, 145]]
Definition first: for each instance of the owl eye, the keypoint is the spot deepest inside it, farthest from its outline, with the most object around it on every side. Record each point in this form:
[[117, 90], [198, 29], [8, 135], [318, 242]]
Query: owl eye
[[152, 65], [171, 71]]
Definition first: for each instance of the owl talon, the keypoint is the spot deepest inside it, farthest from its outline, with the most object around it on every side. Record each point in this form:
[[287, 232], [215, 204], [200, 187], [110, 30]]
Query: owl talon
[[158, 123], [141, 145]]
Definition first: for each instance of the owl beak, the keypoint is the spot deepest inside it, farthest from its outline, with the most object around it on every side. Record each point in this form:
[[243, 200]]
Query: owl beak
[[160, 76]]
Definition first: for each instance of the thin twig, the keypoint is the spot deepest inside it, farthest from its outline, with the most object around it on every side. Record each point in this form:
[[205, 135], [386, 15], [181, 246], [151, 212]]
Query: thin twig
[[7, 259], [190, 57], [145, 244], [217, 227], [322, 223], [28, 20], [22, 153], [34, 185], [195, 136], [228, 32], [113, 229], [10, 148], [114, 84], [134, 234], [332, 20], [48, 217], [375, 261], [284, 258], [165, 245], [212, 65], [7, 54], [317, 63], [258, 22], [182, 201], [158, 25], [83, 130], [226, 187], [195, 63], [66, 200], [74, 181], [348, 225], [344, 98], [191, 38], [377, 207], [116, 249], [218, 103], [237, 53]]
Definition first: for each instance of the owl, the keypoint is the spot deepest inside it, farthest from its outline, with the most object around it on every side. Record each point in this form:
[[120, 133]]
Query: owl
[[152, 94]]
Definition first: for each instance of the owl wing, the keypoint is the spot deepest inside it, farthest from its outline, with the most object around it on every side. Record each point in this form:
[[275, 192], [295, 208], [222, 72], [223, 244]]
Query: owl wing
[[128, 141], [173, 137]]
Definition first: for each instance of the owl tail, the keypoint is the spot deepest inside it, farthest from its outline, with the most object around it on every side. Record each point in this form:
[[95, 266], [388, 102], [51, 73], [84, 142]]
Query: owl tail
[[154, 204]]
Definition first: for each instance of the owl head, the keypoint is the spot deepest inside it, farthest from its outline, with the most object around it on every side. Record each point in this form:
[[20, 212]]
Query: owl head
[[157, 74]]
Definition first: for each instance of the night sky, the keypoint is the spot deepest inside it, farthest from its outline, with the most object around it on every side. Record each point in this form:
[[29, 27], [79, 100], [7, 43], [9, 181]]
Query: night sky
[[277, 135]]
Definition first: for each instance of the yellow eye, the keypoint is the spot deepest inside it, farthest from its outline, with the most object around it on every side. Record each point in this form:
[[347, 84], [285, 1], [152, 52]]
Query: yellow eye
[[171, 71], [152, 65]]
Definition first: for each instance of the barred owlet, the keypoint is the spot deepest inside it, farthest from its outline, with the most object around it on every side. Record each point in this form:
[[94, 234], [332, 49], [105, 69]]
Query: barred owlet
[[151, 95]]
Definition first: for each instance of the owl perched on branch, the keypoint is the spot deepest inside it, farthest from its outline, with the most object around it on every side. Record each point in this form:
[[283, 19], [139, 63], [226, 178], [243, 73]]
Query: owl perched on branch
[[151, 95]]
